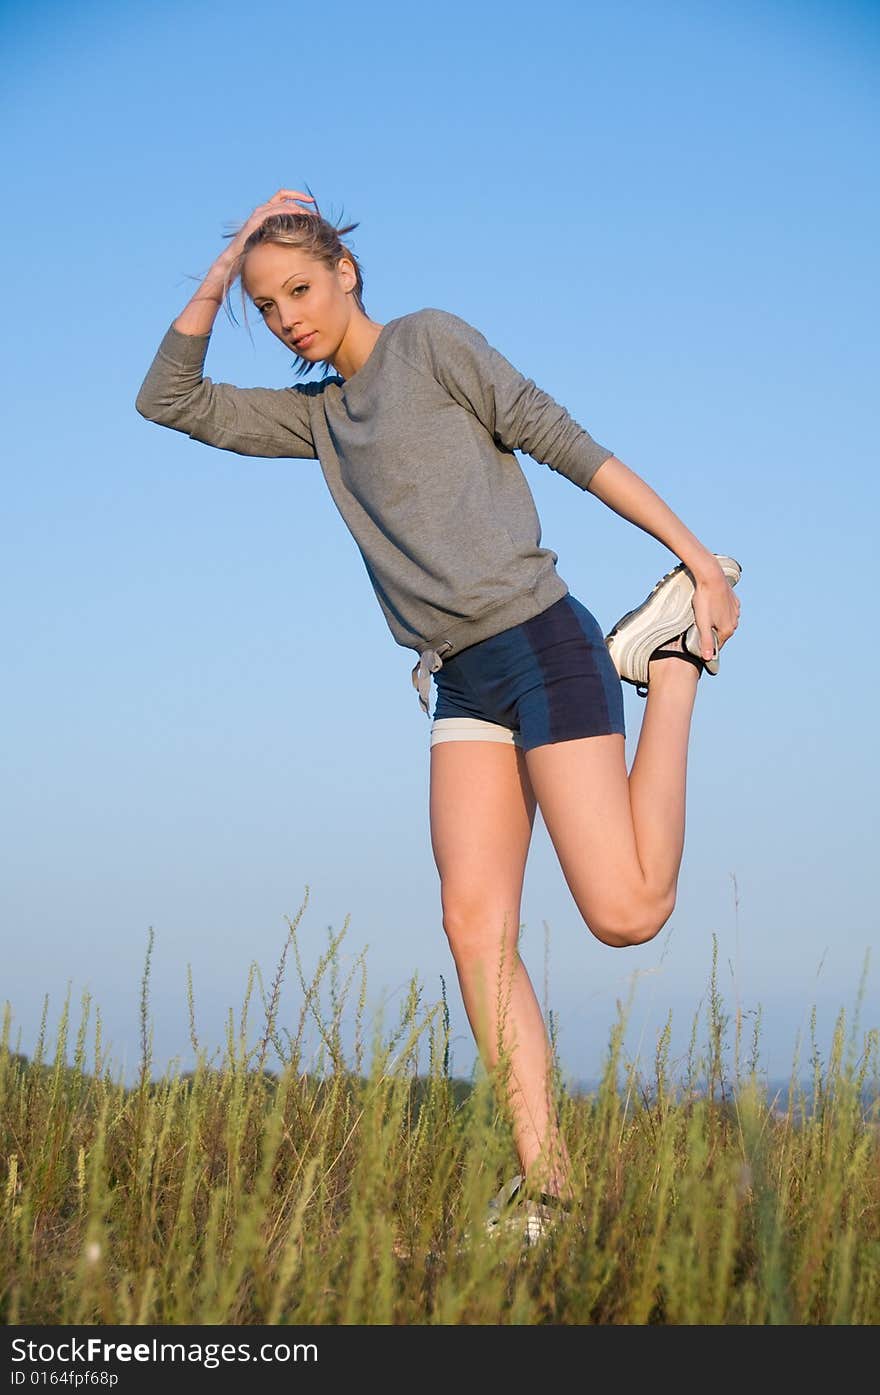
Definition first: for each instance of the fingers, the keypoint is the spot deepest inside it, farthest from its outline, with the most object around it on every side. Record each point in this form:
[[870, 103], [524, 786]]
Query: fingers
[[285, 200], [721, 629], [716, 616], [291, 196], [722, 634]]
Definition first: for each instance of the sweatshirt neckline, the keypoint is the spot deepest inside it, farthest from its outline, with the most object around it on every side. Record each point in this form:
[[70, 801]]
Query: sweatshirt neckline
[[371, 363]]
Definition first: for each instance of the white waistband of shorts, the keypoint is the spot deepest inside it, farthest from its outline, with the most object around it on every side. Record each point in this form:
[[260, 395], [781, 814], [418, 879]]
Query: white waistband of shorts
[[471, 729]]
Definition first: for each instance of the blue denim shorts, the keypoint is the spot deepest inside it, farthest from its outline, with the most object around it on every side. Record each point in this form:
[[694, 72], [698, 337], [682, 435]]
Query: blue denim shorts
[[548, 679]]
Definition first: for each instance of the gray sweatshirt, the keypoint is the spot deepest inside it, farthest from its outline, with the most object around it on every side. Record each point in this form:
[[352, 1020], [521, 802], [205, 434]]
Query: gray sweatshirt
[[417, 451]]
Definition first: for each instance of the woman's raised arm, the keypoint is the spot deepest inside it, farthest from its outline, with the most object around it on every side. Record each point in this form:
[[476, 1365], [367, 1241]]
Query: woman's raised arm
[[271, 422]]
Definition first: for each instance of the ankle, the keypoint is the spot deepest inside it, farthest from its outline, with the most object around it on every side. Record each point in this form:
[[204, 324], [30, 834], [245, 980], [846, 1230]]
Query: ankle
[[676, 644], [674, 648], [554, 1185]]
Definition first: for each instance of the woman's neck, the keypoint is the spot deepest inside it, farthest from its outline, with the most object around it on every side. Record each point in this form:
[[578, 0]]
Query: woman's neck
[[356, 346]]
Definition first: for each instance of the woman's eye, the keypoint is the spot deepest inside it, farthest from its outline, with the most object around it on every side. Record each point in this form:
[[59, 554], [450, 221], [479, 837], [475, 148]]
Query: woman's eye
[[263, 308]]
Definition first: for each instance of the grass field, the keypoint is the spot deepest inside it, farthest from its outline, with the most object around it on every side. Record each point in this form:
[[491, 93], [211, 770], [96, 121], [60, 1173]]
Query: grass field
[[256, 1191]]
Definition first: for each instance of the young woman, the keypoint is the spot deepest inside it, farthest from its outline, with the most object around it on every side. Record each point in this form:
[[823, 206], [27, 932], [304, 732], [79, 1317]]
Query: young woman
[[414, 423]]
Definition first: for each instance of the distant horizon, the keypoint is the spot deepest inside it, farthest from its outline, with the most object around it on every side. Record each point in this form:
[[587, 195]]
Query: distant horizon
[[580, 1086]]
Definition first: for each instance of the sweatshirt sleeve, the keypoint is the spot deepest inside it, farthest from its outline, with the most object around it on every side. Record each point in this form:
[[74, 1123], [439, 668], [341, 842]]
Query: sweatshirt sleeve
[[251, 421], [516, 412]]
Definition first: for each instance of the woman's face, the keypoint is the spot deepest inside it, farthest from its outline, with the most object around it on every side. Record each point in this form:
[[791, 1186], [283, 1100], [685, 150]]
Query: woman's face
[[298, 296]]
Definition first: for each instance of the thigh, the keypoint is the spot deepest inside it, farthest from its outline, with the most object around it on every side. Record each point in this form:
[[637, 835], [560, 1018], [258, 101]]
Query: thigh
[[582, 790], [482, 809]]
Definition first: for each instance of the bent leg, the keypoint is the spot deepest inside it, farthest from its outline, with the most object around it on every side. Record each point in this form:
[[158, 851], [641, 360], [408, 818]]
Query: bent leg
[[619, 838], [482, 812]]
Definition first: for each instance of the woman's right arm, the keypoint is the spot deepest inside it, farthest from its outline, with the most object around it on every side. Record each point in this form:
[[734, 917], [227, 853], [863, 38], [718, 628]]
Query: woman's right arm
[[269, 422]]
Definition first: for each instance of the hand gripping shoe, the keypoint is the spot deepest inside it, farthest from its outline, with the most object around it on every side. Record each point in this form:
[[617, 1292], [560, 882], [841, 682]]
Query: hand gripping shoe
[[666, 613]]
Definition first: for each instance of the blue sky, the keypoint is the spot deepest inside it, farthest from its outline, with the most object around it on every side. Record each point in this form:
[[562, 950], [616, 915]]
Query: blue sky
[[663, 213]]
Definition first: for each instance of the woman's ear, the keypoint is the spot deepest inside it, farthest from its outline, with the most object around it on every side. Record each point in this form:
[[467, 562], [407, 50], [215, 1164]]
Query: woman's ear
[[346, 273]]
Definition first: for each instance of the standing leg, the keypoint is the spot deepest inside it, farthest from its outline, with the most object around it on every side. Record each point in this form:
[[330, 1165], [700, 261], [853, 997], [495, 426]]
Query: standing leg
[[482, 812]]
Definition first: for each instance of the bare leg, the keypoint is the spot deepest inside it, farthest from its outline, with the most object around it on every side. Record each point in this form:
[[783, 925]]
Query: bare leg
[[658, 775], [482, 814], [620, 838]]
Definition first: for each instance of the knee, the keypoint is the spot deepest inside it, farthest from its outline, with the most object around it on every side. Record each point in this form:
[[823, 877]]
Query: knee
[[475, 928], [635, 925]]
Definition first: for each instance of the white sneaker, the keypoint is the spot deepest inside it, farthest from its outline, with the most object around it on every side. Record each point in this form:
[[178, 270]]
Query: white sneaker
[[666, 613], [530, 1220], [498, 1215]]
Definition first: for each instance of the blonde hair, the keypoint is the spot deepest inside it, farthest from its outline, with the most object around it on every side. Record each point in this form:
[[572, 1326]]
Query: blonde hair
[[310, 233]]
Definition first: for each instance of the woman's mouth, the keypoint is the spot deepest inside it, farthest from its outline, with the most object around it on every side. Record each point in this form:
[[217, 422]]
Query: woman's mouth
[[305, 341]]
